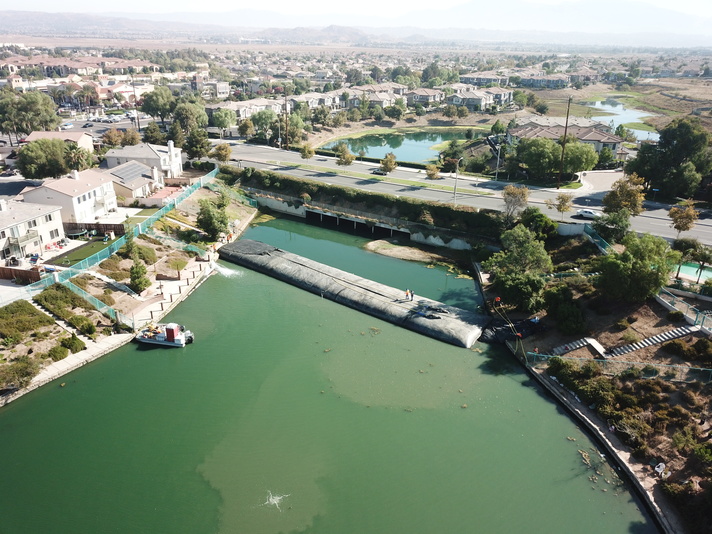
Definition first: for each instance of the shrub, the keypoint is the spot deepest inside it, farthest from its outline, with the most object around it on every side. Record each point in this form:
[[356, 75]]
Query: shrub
[[629, 336], [83, 324], [150, 239], [74, 344], [58, 352], [147, 254], [107, 299], [675, 316], [621, 325], [111, 263]]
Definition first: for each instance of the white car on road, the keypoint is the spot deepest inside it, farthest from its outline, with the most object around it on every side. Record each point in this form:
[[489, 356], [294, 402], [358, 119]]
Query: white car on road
[[588, 214]]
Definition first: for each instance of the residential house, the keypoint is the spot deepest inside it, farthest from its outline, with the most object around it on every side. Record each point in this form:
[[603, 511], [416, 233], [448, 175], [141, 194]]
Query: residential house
[[546, 121], [599, 139], [133, 180], [28, 228], [424, 96], [551, 81], [82, 196], [500, 95], [167, 159], [472, 100], [484, 78], [81, 139]]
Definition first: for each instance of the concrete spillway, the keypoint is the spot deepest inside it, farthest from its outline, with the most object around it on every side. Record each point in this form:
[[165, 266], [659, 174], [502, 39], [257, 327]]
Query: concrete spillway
[[429, 317]]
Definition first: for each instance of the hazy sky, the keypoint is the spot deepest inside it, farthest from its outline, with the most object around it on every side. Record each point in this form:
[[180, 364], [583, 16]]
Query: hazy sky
[[380, 8]]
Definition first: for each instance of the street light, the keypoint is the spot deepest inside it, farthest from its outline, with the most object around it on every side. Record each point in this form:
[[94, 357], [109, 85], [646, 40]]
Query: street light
[[457, 166], [496, 172]]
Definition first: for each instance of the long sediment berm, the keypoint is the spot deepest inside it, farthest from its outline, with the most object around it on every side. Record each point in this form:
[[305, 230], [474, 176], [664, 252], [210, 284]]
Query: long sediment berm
[[428, 317]]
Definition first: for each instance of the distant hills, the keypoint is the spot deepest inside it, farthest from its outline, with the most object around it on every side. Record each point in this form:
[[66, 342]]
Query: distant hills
[[609, 23]]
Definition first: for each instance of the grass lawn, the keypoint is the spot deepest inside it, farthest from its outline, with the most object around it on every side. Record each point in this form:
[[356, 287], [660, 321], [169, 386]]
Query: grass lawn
[[640, 126], [147, 212], [78, 254]]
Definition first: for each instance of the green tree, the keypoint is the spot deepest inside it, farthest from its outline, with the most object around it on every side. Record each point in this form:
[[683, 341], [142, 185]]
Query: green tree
[[152, 134], [388, 164], [320, 115], [77, 158], [44, 158], [190, 116], [640, 271], [613, 226], [688, 248], [22, 114], [542, 108], [606, 157], [159, 103], [224, 118], [515, 200], [498, 128], [130, 138], [538, 222], [683, 217], [420, 110], [246, 128], [676, 164], [112, 137], [579, 157], [221, 152], [562, 203], [307, 151], [175, 134], [432, 172], [462, 112], [702, 256], [197, 144], [345, 157], [626, 193], [394, 112], [450, 111], [262, 120], [540, 156], [211, 219], [522, 253], [138, 279]]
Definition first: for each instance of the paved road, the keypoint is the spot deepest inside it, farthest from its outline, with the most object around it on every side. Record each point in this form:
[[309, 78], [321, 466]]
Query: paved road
[[470, 191]]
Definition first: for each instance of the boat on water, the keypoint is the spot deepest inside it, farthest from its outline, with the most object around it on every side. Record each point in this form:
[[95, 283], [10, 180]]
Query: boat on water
[[168, 334]]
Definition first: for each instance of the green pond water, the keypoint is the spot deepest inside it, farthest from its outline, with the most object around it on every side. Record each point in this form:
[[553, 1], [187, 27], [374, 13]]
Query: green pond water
[[352, 425], [411, 146]]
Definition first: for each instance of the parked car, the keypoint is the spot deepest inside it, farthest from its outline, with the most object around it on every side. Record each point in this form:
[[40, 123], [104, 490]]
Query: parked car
[[380, 172], [87, 125], [67, 126], [588, 214]]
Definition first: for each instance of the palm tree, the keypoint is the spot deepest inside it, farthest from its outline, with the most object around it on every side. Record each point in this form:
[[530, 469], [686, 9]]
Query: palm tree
[[87, 94], [703, 256]]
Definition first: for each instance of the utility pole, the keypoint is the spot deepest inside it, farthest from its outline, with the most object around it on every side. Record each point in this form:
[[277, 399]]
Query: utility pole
[[563, 144], [286, 120], [138, 121]]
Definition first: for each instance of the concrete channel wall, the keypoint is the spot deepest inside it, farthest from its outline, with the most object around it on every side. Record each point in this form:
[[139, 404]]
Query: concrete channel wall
[[428, 317]]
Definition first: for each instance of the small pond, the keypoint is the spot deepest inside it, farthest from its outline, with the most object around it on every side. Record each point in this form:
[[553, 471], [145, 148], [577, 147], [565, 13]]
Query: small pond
[[420, 147], [617, 114]]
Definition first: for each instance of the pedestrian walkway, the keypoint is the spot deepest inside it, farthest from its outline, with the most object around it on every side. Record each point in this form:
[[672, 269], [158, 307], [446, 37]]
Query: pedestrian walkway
[[563, 349], [660, 338], [603, 353]]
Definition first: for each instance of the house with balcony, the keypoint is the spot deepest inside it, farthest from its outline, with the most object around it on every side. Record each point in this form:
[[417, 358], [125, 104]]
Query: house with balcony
[[82, 196], [167, 159], [472, 100], [28, 228], [424, 96], [598, 138]]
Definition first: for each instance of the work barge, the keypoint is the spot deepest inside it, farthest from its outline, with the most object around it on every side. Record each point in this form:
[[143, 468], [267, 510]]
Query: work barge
[[428, 317]]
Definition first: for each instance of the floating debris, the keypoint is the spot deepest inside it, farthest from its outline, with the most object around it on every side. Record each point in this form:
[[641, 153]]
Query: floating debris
[[327, 350], [570, 438], [274, 500], [585, 457], [463, 406]]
